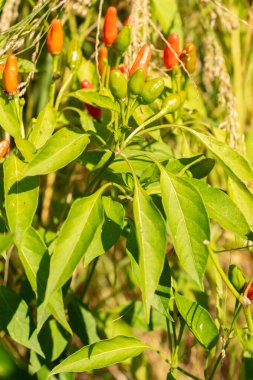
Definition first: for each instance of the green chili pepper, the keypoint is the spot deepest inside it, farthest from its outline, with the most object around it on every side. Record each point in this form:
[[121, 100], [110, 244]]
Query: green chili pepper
[[74, 54], [189, 57], [118, 84], [170, 104], [236, 277], [136, 82], [124, 38], [152, 89]]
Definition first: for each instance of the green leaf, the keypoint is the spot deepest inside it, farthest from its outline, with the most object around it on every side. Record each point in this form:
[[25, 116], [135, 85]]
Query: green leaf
[[9, 120], [16, 321], [84, 218], [166, 12], [198, 320], [53, 342], [233, 162], [35, 258], [21, 196], [221, 208], [26, 148], [151, 239], [94, 98], [188, 223], [61, 149], [43, 127], [109, 232], [5, 242], [242, 197], [25, 66], [101, 354]]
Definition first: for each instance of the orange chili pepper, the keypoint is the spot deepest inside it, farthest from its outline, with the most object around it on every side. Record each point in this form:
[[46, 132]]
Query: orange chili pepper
[[110, 26], [127, 21], [2, 66], [142, 60], [4, 147], [10, 74], [102, 58], [55, 37], [169, 57]]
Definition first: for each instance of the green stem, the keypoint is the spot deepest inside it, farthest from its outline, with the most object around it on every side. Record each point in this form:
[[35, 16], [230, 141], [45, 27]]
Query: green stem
[[188, 373], [55, 72], [61, 92]]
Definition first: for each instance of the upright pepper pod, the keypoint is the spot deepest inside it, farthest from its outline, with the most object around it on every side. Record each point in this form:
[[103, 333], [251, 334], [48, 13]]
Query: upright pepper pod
[[136, 83], [110, 26], [4, 147], [152, 89], [189, 57], [142, 60], [93, 111], [102, 59], [170, 56], [55, 37], [118, 84], [124, 38], [10, 74]]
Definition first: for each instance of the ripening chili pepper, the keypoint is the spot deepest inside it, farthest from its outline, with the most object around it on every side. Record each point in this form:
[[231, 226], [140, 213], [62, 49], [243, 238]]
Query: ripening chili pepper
[[55, 37], [127, 21], [10, 74], [170, 104], [110, 26], [4, 147], [236, 277], [189, 57], [124, 38], [102, 59], [152, 89], [93, 111], [250, 291], [74, 54], [136, 83], [142, 60], [2, 65], [123, 67], [170, 56], [118, 84]]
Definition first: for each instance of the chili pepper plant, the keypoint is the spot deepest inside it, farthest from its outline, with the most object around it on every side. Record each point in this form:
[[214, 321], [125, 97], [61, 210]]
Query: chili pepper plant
[[117, 199]]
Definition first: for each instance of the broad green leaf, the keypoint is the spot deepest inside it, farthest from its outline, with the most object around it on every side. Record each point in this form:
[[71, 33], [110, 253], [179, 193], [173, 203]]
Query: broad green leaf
[[151, 239], [61, 149], [242, 197], [198, 320], [26, 148], [52, 340], [221, 208], [188, 223], [5, 242], [25, 66], [16, 321], [109, 232], [167, 14], [233, 162], [94, 98], [82, 321], [84, 218], [199, 169], [35, 258], [101, 354], [43, 127], [9, 120], [21, 196]]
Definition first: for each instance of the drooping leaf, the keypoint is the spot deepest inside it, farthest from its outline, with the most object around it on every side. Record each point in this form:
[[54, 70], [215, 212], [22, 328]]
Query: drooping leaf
[[198, 320], [43, 127], [101, 354], [84, 218], [151, 239], [94, 98], [35, 258], [9, 120], [188, 223], [61, 149], [21, 196], [16, 321], [221, 208]]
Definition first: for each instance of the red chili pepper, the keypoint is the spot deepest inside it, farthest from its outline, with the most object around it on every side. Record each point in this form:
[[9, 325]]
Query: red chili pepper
[[93, 111], [250, 291], [169, 57], [110, 26], [127, 21], [102, 58], [55, 37], [4, 147], [142, 60], [10, 74], [123, 67]]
